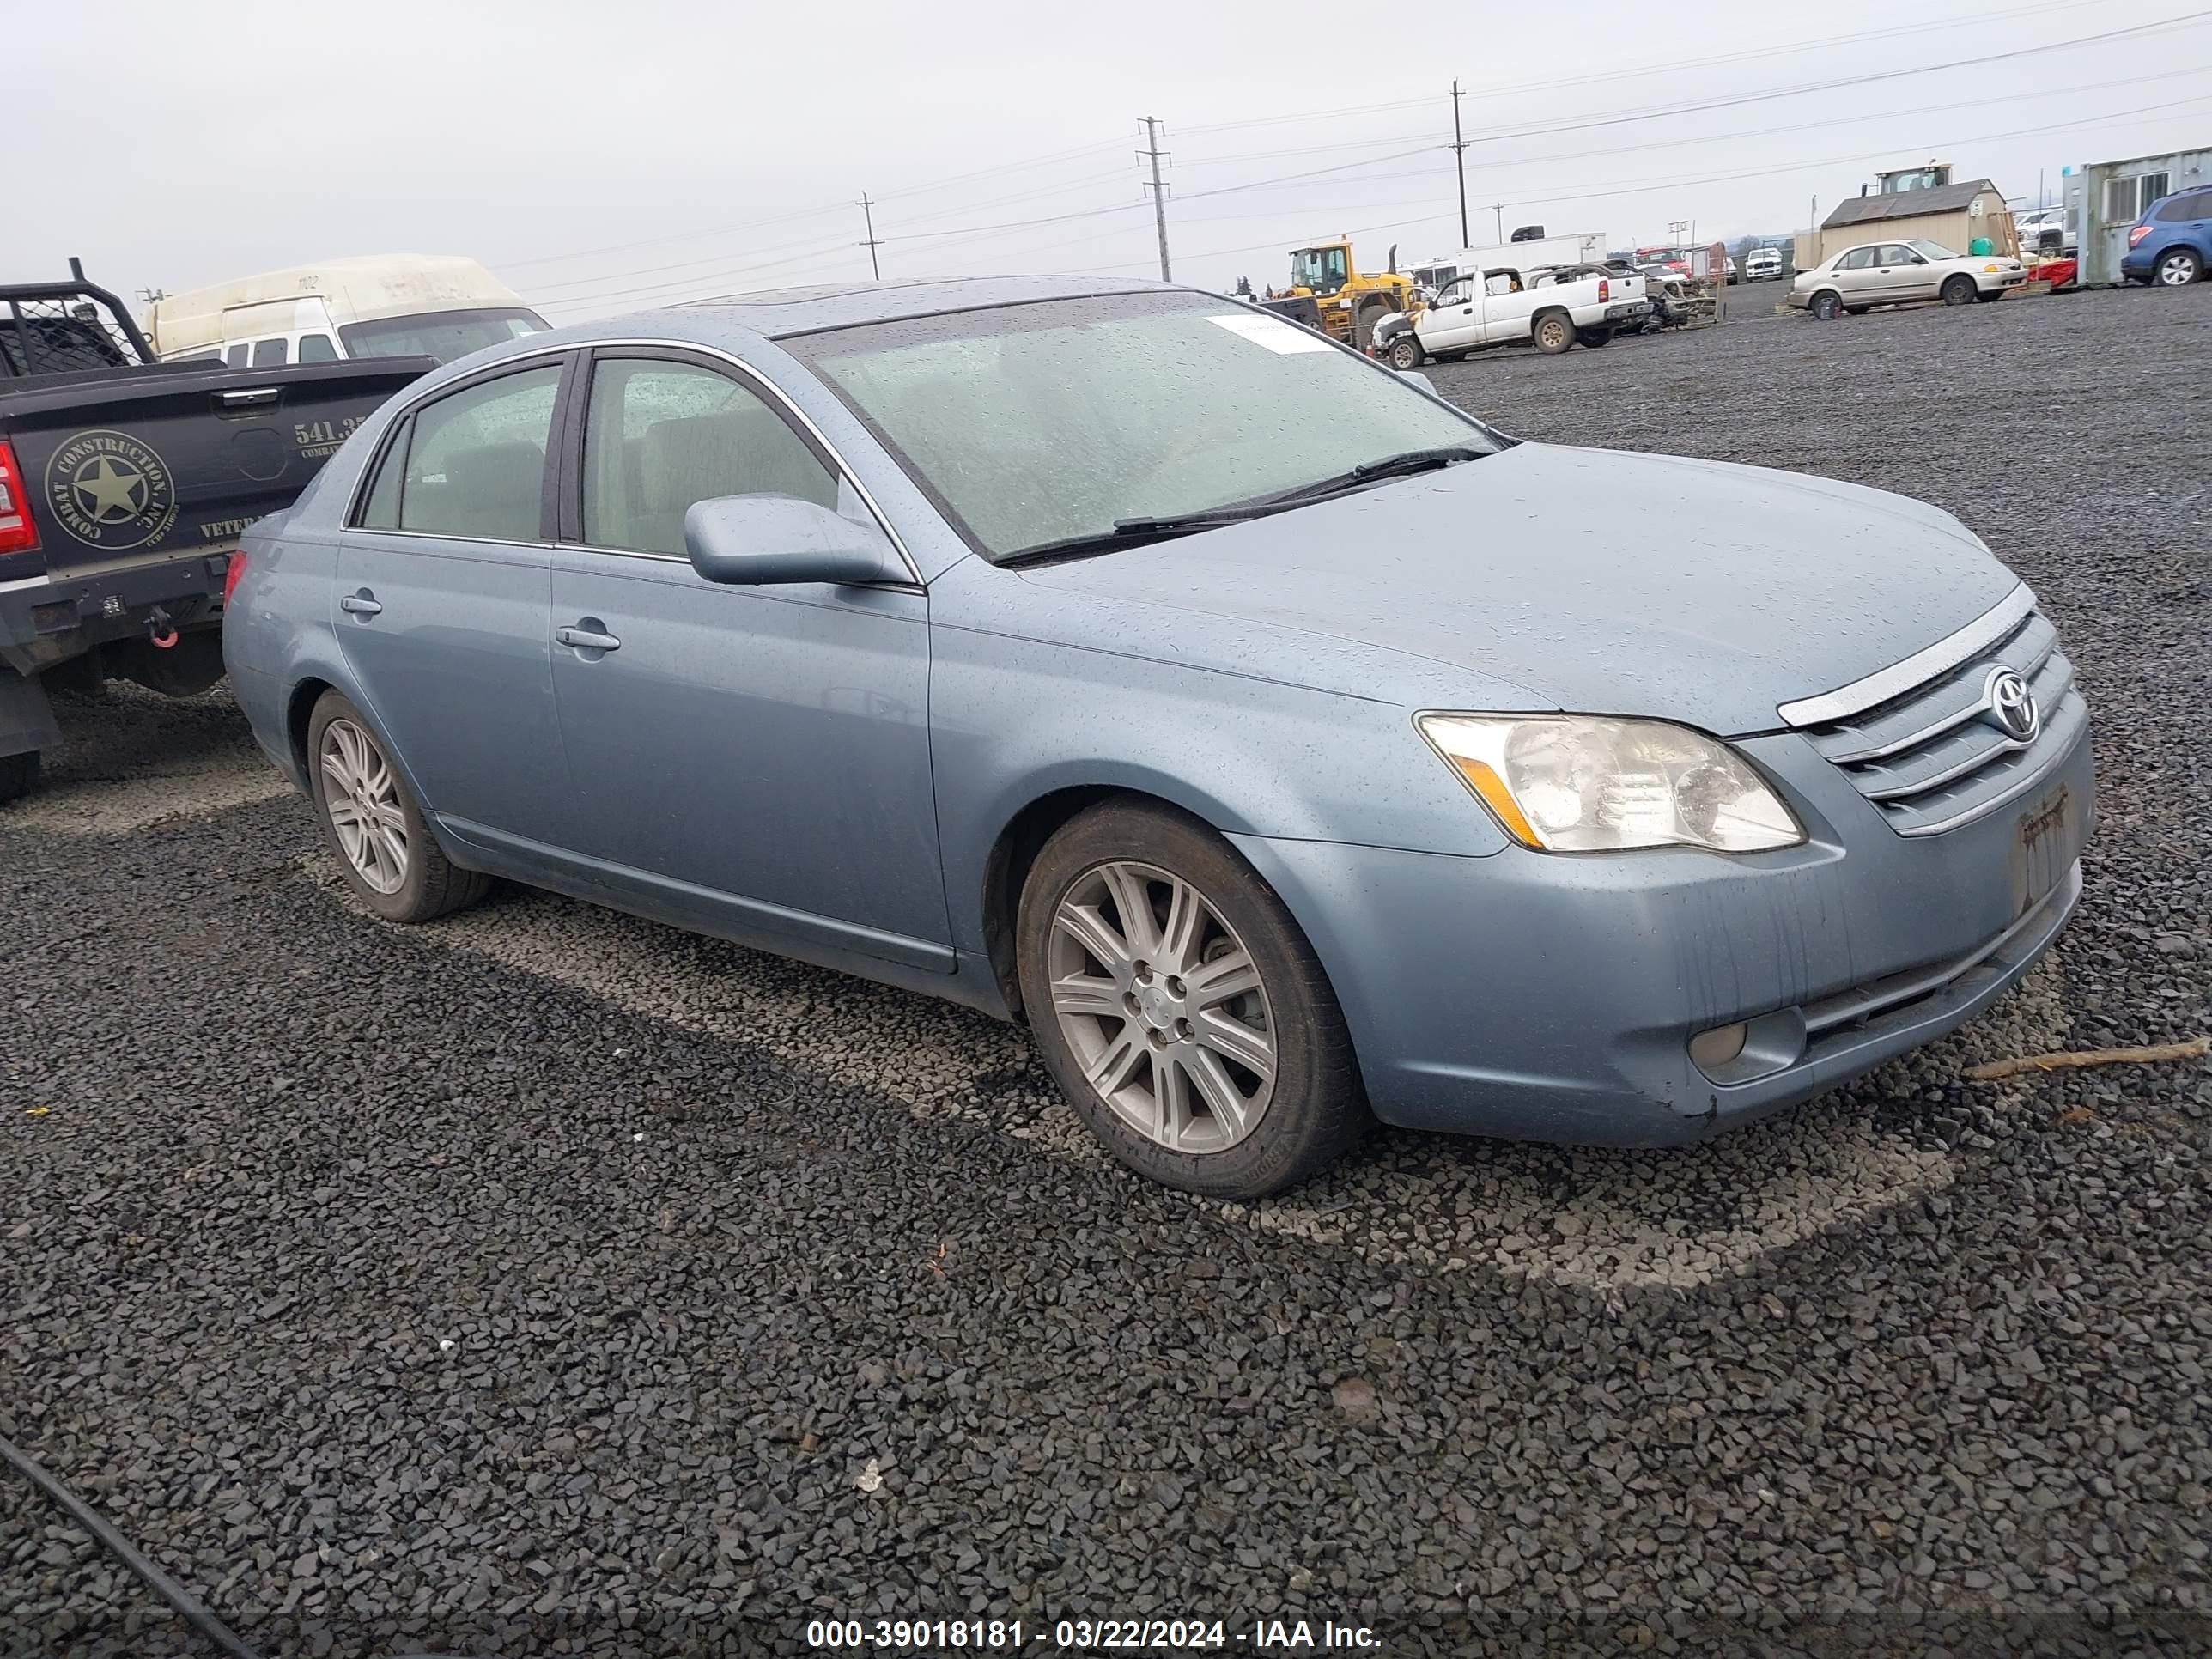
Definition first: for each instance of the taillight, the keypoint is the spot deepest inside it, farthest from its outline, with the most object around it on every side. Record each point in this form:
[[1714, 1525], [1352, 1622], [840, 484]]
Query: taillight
[[2136, 236], [1604, 290], [230, 576], [17, 533]]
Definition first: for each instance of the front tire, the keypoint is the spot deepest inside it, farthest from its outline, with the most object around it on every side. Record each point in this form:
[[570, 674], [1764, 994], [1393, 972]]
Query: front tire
[[1406, 352], [2178, 269], [1958, 291], [1180, 1009], [1592, 338], [393, 863]]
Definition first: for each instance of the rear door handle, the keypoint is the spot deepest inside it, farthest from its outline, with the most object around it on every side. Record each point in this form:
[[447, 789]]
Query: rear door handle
[[362, 603], [586, 639]]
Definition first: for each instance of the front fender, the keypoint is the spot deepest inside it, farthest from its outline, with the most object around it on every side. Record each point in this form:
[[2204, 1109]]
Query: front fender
[[1014, 719]]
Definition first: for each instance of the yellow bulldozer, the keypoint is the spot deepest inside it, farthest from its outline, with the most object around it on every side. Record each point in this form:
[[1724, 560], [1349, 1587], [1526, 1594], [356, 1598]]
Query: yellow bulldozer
[[1349, 304]]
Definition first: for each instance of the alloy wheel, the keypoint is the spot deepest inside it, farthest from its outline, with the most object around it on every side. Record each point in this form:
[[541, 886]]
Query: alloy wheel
[[2177, 270], [1163, 1005], [361, 795]]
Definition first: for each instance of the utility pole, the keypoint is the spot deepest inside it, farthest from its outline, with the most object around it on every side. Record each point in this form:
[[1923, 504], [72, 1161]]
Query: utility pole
[[1459, 160], [868, 214], [1499, 208], [1159, 191]]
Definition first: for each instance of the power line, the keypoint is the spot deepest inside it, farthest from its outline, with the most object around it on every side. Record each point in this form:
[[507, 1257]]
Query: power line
[[1623, 117], [1536, 197], [1778, 51], [1613, 118], [807, 213]]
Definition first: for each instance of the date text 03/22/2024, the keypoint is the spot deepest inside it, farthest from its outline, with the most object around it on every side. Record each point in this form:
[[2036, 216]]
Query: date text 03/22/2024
[[1090, 1635]]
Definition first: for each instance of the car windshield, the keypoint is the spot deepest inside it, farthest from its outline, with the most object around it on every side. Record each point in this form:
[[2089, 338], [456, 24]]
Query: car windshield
[[444, 335], [1931, 250], [1031, 425]]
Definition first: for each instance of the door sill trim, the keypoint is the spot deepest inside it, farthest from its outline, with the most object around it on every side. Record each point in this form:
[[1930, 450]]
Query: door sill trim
[[662, 898]]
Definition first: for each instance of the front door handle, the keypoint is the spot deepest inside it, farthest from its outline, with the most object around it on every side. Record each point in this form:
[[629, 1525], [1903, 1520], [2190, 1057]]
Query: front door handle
[[586, 639], [362, 603]]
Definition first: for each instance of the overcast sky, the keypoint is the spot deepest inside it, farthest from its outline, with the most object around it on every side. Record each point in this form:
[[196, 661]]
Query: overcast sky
[[604, 158]]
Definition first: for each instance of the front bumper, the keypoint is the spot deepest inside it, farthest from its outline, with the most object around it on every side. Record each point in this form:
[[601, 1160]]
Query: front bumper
[[1545, 998]]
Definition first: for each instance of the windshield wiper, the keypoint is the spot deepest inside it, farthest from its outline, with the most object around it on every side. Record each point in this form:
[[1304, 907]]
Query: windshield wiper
[[1390, 466], [1136, 532]]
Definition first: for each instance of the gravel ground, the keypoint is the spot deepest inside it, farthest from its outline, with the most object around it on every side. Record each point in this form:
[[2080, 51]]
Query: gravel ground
[[545, 1280]]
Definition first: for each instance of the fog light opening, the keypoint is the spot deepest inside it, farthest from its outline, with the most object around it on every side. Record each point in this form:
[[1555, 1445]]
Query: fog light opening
[[1719, 1046]]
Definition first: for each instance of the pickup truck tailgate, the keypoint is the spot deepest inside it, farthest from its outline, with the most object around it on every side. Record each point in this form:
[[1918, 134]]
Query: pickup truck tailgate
[[133, 465]]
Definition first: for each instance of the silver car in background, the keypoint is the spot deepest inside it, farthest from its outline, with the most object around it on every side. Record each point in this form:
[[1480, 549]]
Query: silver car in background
[[1899, 273], [1282, 745]]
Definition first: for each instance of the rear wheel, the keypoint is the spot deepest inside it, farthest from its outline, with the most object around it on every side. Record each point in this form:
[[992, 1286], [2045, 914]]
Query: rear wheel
[[1554, 332], [1827, 305], [1179, 1008], [2179, 268], [393, 863], [1406, 352], [1958, 291]]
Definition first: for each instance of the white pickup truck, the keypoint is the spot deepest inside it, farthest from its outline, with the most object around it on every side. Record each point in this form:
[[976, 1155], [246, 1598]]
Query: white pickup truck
[[1552, 308]]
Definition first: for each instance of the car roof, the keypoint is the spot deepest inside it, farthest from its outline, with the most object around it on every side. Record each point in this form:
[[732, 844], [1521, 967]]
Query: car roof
[[780, 313]]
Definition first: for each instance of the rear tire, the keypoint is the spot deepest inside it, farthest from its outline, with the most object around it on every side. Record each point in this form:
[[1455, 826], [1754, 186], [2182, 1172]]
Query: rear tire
[[393, 863], [1958, 291], [1125, 1012], [1553, 332], [2178, 268], [1827, 305], [19, 775]]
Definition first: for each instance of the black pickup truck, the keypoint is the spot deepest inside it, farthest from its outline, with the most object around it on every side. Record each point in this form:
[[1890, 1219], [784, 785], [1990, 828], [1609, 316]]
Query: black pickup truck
[[124, 484]]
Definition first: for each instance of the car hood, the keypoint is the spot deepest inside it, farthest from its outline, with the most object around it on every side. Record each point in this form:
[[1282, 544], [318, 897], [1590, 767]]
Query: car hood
[[1599, 581]]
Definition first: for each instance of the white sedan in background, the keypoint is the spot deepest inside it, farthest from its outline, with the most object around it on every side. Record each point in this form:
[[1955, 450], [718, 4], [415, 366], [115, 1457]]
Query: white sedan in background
[[1894, 273]]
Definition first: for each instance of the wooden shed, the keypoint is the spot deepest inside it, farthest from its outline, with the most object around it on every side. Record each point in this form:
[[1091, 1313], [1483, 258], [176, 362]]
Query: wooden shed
[[1953, 215]]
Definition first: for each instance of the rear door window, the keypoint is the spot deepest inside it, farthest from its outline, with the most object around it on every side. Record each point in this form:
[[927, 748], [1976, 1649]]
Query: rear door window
[[476, 459], [317, 348], [236, 355]]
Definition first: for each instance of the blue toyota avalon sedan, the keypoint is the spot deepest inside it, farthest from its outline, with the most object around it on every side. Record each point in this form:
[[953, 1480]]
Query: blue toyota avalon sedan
[[1285, 746]]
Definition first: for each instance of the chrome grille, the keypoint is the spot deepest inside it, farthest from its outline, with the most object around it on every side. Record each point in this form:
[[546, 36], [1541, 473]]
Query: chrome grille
[[1933, 758]]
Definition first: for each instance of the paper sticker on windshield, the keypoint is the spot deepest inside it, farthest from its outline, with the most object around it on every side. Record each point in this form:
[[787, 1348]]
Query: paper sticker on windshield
[[1272, 332]]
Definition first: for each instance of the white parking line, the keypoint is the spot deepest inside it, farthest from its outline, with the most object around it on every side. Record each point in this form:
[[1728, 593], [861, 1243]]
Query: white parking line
[[1602, 1220]]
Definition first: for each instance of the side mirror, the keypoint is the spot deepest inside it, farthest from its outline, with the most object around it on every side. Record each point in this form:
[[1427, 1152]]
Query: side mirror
[[752, 541]]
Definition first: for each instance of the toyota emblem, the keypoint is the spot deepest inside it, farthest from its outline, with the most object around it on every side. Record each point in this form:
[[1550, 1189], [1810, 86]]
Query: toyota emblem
[[2012, 705]]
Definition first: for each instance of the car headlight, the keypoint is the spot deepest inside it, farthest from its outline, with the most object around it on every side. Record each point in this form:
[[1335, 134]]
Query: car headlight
[[1582, 783]]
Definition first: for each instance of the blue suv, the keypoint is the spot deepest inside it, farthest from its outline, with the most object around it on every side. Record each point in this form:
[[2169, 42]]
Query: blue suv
[[2171, 243]]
